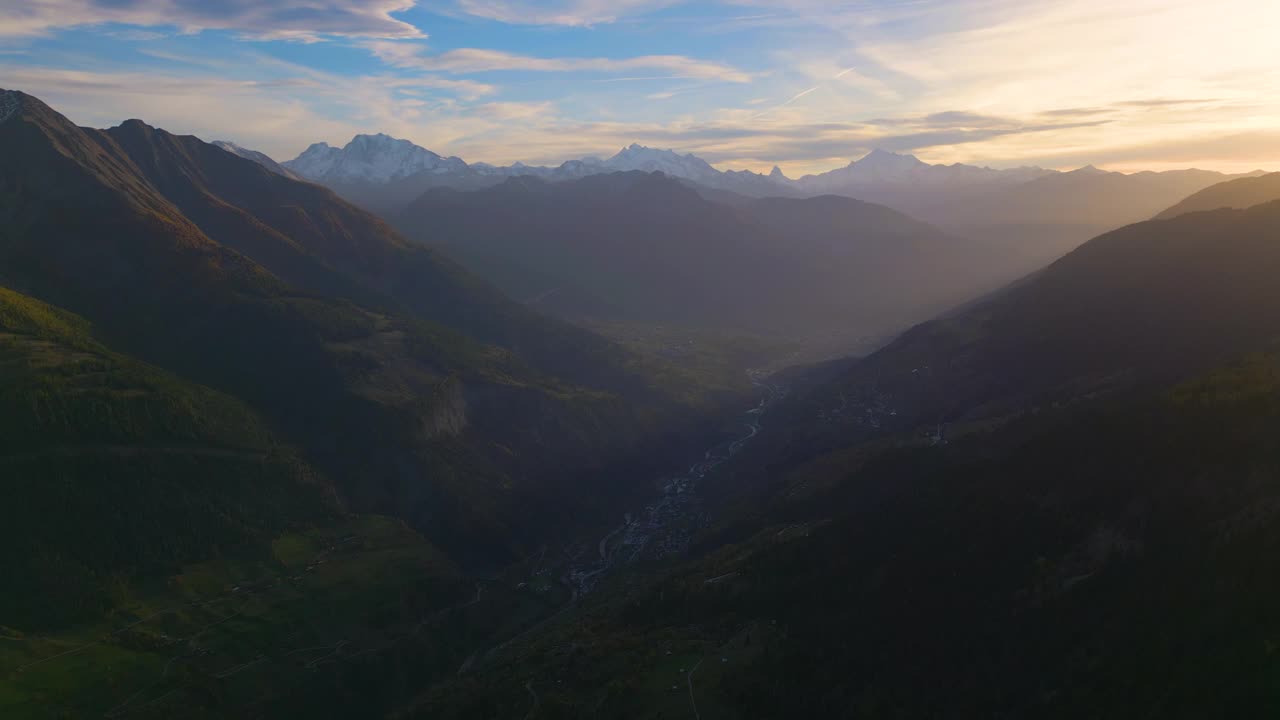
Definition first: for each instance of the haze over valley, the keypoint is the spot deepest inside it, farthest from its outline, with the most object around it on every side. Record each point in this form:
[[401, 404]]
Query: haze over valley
[[763, 255]]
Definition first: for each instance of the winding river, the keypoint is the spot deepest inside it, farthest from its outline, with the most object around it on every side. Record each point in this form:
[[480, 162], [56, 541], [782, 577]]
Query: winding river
[[665, 527]]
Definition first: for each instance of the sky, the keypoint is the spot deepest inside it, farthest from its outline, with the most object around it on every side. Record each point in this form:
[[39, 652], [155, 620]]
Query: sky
[[807, 85]]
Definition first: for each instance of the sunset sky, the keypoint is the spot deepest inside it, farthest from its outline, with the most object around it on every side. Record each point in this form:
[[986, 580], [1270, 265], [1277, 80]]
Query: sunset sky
[[804, 84]]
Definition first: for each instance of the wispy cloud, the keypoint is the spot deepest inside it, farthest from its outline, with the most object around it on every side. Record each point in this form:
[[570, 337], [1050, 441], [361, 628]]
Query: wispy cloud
[[504, 111], [476, 60], [805, 84], [950, 119], [575, 13], [280, 113], [1164, 102], [305, 20]]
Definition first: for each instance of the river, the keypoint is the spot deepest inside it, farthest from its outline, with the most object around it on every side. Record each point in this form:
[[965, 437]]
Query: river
[[664, 527]]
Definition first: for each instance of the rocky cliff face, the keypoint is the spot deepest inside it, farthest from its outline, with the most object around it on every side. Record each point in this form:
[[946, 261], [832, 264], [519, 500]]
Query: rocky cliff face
[[446, 414]]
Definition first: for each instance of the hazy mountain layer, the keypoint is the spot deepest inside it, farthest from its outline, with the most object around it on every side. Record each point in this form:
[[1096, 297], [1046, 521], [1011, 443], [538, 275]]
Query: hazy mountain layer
[[1239, 193], [644, 248]]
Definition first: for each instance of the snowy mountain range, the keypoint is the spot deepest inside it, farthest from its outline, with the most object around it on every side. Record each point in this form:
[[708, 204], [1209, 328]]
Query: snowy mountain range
[[386, 174], [384, 159]]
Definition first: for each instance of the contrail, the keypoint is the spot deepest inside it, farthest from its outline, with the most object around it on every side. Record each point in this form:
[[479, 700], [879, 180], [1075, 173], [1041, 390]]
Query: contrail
[[794, 98], [799, 95]]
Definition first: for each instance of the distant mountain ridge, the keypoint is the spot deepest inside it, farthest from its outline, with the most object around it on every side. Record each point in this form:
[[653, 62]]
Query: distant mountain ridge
[[880, 167], [1240, 193], [1035, 214], [382, 159], [645, 247], [386, 174]]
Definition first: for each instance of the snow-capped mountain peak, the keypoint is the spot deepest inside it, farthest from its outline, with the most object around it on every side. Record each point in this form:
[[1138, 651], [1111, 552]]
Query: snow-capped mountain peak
[[884, 157], [314, 162], [881, 168], [317, 149], [377, 158], [887, 166], [639, 157]]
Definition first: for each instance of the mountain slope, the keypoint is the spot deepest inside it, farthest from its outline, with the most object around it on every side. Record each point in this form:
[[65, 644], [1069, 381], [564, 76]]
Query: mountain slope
[[1108, 561], [320, 244], [1094, 197], [1136, 308], [1239, 193], [260, 158], [1147, 302], [1059, 502], [406, 416], [166, 555], [113, 469]]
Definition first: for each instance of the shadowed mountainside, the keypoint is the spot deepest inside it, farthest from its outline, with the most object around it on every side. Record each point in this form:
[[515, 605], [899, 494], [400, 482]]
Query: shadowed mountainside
[[370, 354], [1058, 502]]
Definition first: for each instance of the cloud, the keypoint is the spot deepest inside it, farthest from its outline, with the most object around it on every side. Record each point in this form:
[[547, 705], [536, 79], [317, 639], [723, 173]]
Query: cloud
[[993, 82], [948, 118], [1029, 55], [476, 60], [573, 13], [1238, 152], [1075, 112], [466, 89], [304, 20], [963, 119], [267, 112], [951, 137], [135, 35], [1163, 102], [674, 92], [279, 113], [504, 111]]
